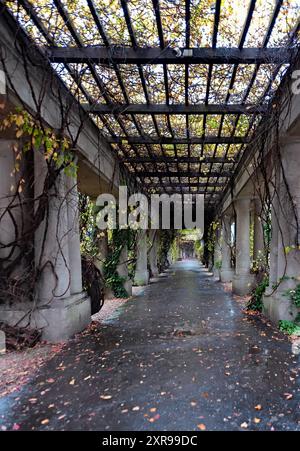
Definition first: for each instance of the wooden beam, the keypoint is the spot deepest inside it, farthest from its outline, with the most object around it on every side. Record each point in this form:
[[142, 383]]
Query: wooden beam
[[156, 55], [143, 108]]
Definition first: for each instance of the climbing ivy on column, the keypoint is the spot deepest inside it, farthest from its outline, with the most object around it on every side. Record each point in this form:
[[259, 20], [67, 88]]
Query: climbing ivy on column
[[119, 239]]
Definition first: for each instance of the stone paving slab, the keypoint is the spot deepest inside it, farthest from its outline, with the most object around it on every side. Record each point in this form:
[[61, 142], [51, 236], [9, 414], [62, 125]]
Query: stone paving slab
[[180, 357]]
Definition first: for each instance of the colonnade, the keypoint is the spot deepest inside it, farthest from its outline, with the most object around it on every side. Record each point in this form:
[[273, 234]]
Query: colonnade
[[283, 259]]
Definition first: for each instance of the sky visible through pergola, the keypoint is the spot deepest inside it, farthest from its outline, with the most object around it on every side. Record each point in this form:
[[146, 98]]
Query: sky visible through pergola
[[194, 144]]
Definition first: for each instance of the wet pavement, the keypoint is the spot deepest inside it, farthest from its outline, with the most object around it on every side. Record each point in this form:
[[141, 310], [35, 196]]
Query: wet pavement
[[181, 356]]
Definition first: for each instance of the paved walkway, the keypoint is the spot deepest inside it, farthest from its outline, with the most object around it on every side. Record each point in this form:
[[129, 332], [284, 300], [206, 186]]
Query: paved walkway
[[180, 357]]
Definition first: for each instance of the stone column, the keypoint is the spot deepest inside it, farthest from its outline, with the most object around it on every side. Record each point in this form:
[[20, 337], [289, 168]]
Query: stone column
[[141, 276], [52, 247], [8, 186], [242, 281], [217, 255], [74, 236], [102, 242], [258, 249], [60, 308], [226, 269], [122, 270], [273, 259], [279, 306], [63, 308], [153, 257]]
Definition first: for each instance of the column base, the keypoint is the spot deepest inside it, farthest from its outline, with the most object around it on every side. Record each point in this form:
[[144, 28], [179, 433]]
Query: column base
[[141, 278], [278, 307], [242, 284], [154, 272], [216, 273], [128, 287], [59, 320], [227, 275]]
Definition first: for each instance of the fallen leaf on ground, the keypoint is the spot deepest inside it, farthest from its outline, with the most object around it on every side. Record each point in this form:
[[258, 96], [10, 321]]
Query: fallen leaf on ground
[[244, 425], [45, 421], [258, 407], [105, 397], [201, 426]]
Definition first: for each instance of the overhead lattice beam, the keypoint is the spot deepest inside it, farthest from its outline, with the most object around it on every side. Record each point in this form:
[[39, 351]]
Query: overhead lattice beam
[[170, 160], [143, 108], [170, 140], [184, 185], [129, 55], [181, 174]]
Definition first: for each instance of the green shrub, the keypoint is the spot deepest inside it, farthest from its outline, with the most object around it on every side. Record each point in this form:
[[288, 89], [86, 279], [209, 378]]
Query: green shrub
[[294, 295], [256, 302], [289, 327]]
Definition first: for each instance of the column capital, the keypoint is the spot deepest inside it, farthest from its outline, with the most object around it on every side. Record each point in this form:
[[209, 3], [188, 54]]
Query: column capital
[[226, 217], [243, 201], [289, 139]]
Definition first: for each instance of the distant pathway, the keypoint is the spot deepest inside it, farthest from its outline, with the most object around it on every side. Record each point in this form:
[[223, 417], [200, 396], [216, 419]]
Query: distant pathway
[[182, 356]]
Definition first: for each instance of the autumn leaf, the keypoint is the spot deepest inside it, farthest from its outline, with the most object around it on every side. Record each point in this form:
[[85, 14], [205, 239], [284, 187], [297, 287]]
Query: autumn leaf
[[45, 421], [105, 397], [258, 407], [244, 425], [201, 426]]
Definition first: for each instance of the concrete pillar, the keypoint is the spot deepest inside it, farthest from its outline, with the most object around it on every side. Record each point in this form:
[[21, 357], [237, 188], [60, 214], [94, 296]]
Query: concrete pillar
[[217, 254], [153, 252], [74, 236], [122, 270], [52, 246], [102, 242], [2, 342], [60, 307], [242, 283], [10, 220], [268, 299], [141, 276], [279, 306], [274, 246], [258, 248], [226, 269]]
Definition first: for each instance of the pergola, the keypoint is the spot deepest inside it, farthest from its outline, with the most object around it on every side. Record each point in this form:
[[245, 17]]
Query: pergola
[[177, 88]]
